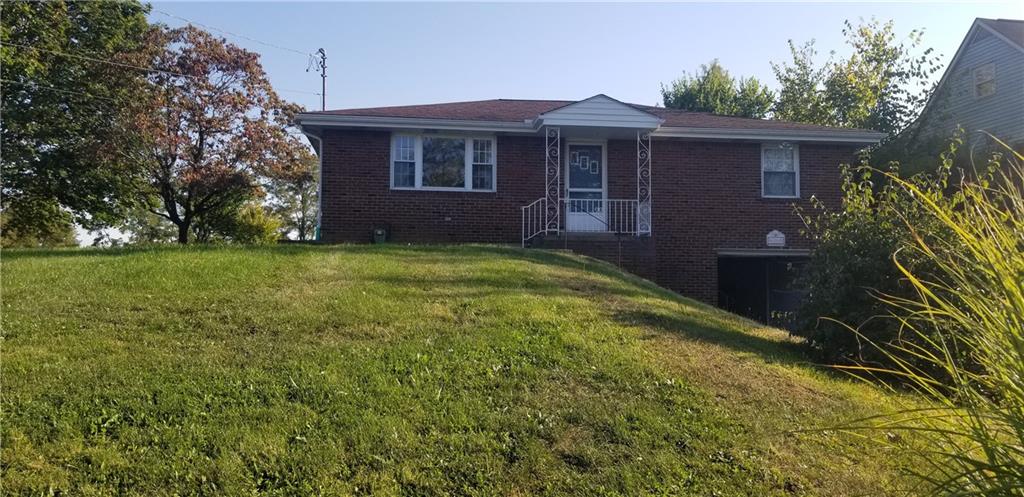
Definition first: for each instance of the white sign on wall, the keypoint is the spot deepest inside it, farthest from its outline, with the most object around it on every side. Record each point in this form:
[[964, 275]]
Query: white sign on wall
[[775, 238]]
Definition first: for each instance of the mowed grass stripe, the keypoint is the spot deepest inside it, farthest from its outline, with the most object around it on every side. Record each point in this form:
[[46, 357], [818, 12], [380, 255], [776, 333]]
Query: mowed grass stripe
[[391, 370]]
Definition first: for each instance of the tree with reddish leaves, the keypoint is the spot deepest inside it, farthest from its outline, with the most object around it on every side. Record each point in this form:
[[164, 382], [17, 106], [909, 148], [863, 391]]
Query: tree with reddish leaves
[[214, 127]]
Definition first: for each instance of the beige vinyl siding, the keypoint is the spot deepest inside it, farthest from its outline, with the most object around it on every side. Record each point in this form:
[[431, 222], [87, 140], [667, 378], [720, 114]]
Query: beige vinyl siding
[[1002, 113]]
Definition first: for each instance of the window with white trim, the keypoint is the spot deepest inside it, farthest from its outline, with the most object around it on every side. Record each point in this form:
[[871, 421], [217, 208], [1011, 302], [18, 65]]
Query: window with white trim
[[404, 165], [483, 165], [437, 162], [780, 170], [985, 80]]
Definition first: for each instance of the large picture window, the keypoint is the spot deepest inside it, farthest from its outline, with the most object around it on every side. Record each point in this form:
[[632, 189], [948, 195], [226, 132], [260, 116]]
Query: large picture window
[[780, 170], [442, 163]]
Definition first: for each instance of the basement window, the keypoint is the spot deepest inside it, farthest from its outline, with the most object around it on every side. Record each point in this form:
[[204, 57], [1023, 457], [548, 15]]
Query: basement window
[[439, 162], [780, 170]]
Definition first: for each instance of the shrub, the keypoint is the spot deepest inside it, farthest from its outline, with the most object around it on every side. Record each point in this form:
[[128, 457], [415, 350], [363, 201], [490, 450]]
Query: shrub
[[254, 225], [970, 304], [853, 264]]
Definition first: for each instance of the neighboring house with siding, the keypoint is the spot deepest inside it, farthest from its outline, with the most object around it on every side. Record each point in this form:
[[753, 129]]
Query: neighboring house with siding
[[982, 89], [699, 203]]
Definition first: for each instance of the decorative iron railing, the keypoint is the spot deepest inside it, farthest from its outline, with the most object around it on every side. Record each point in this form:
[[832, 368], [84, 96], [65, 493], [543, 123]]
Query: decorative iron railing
[[535, 219], [617, 216], [584, 215]]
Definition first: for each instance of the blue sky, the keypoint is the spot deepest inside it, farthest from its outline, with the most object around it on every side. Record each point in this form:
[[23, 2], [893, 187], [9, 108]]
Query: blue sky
[[406, 53]]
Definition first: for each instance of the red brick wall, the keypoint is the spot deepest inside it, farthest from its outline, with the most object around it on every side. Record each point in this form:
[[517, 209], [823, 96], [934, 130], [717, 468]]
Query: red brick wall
[[357, 194], [706, 196]]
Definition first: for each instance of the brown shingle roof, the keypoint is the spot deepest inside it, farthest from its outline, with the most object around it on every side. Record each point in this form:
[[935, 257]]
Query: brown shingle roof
[[1012, 29], [675, 118], [518, 111], [478, 110]]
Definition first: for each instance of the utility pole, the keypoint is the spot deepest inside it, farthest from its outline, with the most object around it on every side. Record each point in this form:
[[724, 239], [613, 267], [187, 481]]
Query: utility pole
[[323, 79]]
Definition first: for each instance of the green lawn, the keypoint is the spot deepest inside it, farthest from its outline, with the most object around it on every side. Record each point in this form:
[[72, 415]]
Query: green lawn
[[391, 370]]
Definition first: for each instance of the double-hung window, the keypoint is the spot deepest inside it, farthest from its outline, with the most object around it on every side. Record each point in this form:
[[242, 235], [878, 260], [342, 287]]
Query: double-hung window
[[442, 162], [483, 164], [403, 166], [780, 170], [985, 80]]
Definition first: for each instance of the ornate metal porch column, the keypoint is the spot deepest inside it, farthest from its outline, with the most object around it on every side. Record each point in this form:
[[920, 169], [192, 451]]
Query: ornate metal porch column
[[552, 175], [643, 183]]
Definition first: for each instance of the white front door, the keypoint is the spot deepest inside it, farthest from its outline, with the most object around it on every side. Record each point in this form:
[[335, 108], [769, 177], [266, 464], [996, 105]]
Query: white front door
[[586, 188]]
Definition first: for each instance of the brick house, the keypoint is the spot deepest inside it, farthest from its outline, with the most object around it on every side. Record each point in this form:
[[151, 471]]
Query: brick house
[[698, 203]]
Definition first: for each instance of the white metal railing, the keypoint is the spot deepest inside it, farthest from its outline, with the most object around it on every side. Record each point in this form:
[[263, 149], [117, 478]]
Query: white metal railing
[[583, 215], [600, 215], [534, 219]]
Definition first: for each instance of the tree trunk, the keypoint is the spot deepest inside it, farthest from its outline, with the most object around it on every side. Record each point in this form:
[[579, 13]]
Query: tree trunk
[[183, 233]]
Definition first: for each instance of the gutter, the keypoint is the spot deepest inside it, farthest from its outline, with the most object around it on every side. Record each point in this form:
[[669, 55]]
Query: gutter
[[840, 136], [320, 177], [533, 126]]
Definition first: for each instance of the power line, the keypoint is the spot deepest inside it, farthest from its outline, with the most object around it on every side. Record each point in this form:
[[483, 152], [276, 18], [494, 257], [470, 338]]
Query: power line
[[35, 85], [120, 64], [141, 68], [229, 33], [311, 62], [54, 88], [297, 91]]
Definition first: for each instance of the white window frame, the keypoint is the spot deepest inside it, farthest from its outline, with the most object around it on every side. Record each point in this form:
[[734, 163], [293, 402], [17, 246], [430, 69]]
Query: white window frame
[[471, 148], [796, 168], [468, 162], [976, 83], [393, 157]]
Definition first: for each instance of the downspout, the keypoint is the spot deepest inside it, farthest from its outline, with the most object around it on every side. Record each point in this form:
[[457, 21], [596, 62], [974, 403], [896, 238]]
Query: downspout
[[319, 181]]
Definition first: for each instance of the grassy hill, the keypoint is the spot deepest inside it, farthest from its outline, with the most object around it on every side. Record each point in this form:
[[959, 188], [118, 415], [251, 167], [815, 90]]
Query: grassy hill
[[392, 370]]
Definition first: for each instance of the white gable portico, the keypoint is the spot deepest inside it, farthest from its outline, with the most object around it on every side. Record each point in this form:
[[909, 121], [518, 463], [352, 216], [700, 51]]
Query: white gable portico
[[576, 170], [599, 116]]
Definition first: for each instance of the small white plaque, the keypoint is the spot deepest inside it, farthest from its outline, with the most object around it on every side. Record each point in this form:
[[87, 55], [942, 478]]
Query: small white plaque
[[776, 238]]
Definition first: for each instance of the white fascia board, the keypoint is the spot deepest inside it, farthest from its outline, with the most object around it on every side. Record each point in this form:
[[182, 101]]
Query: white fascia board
[[413, 123], [531, 127], [601, 123], [856, 137]]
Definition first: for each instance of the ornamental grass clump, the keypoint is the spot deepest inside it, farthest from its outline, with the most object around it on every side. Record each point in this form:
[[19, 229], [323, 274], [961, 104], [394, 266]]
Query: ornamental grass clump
[[964, 337]]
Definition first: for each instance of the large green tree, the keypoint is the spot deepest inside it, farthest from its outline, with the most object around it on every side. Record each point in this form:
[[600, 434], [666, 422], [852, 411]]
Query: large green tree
[[67, 100], [713, 90], [882, 85]]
